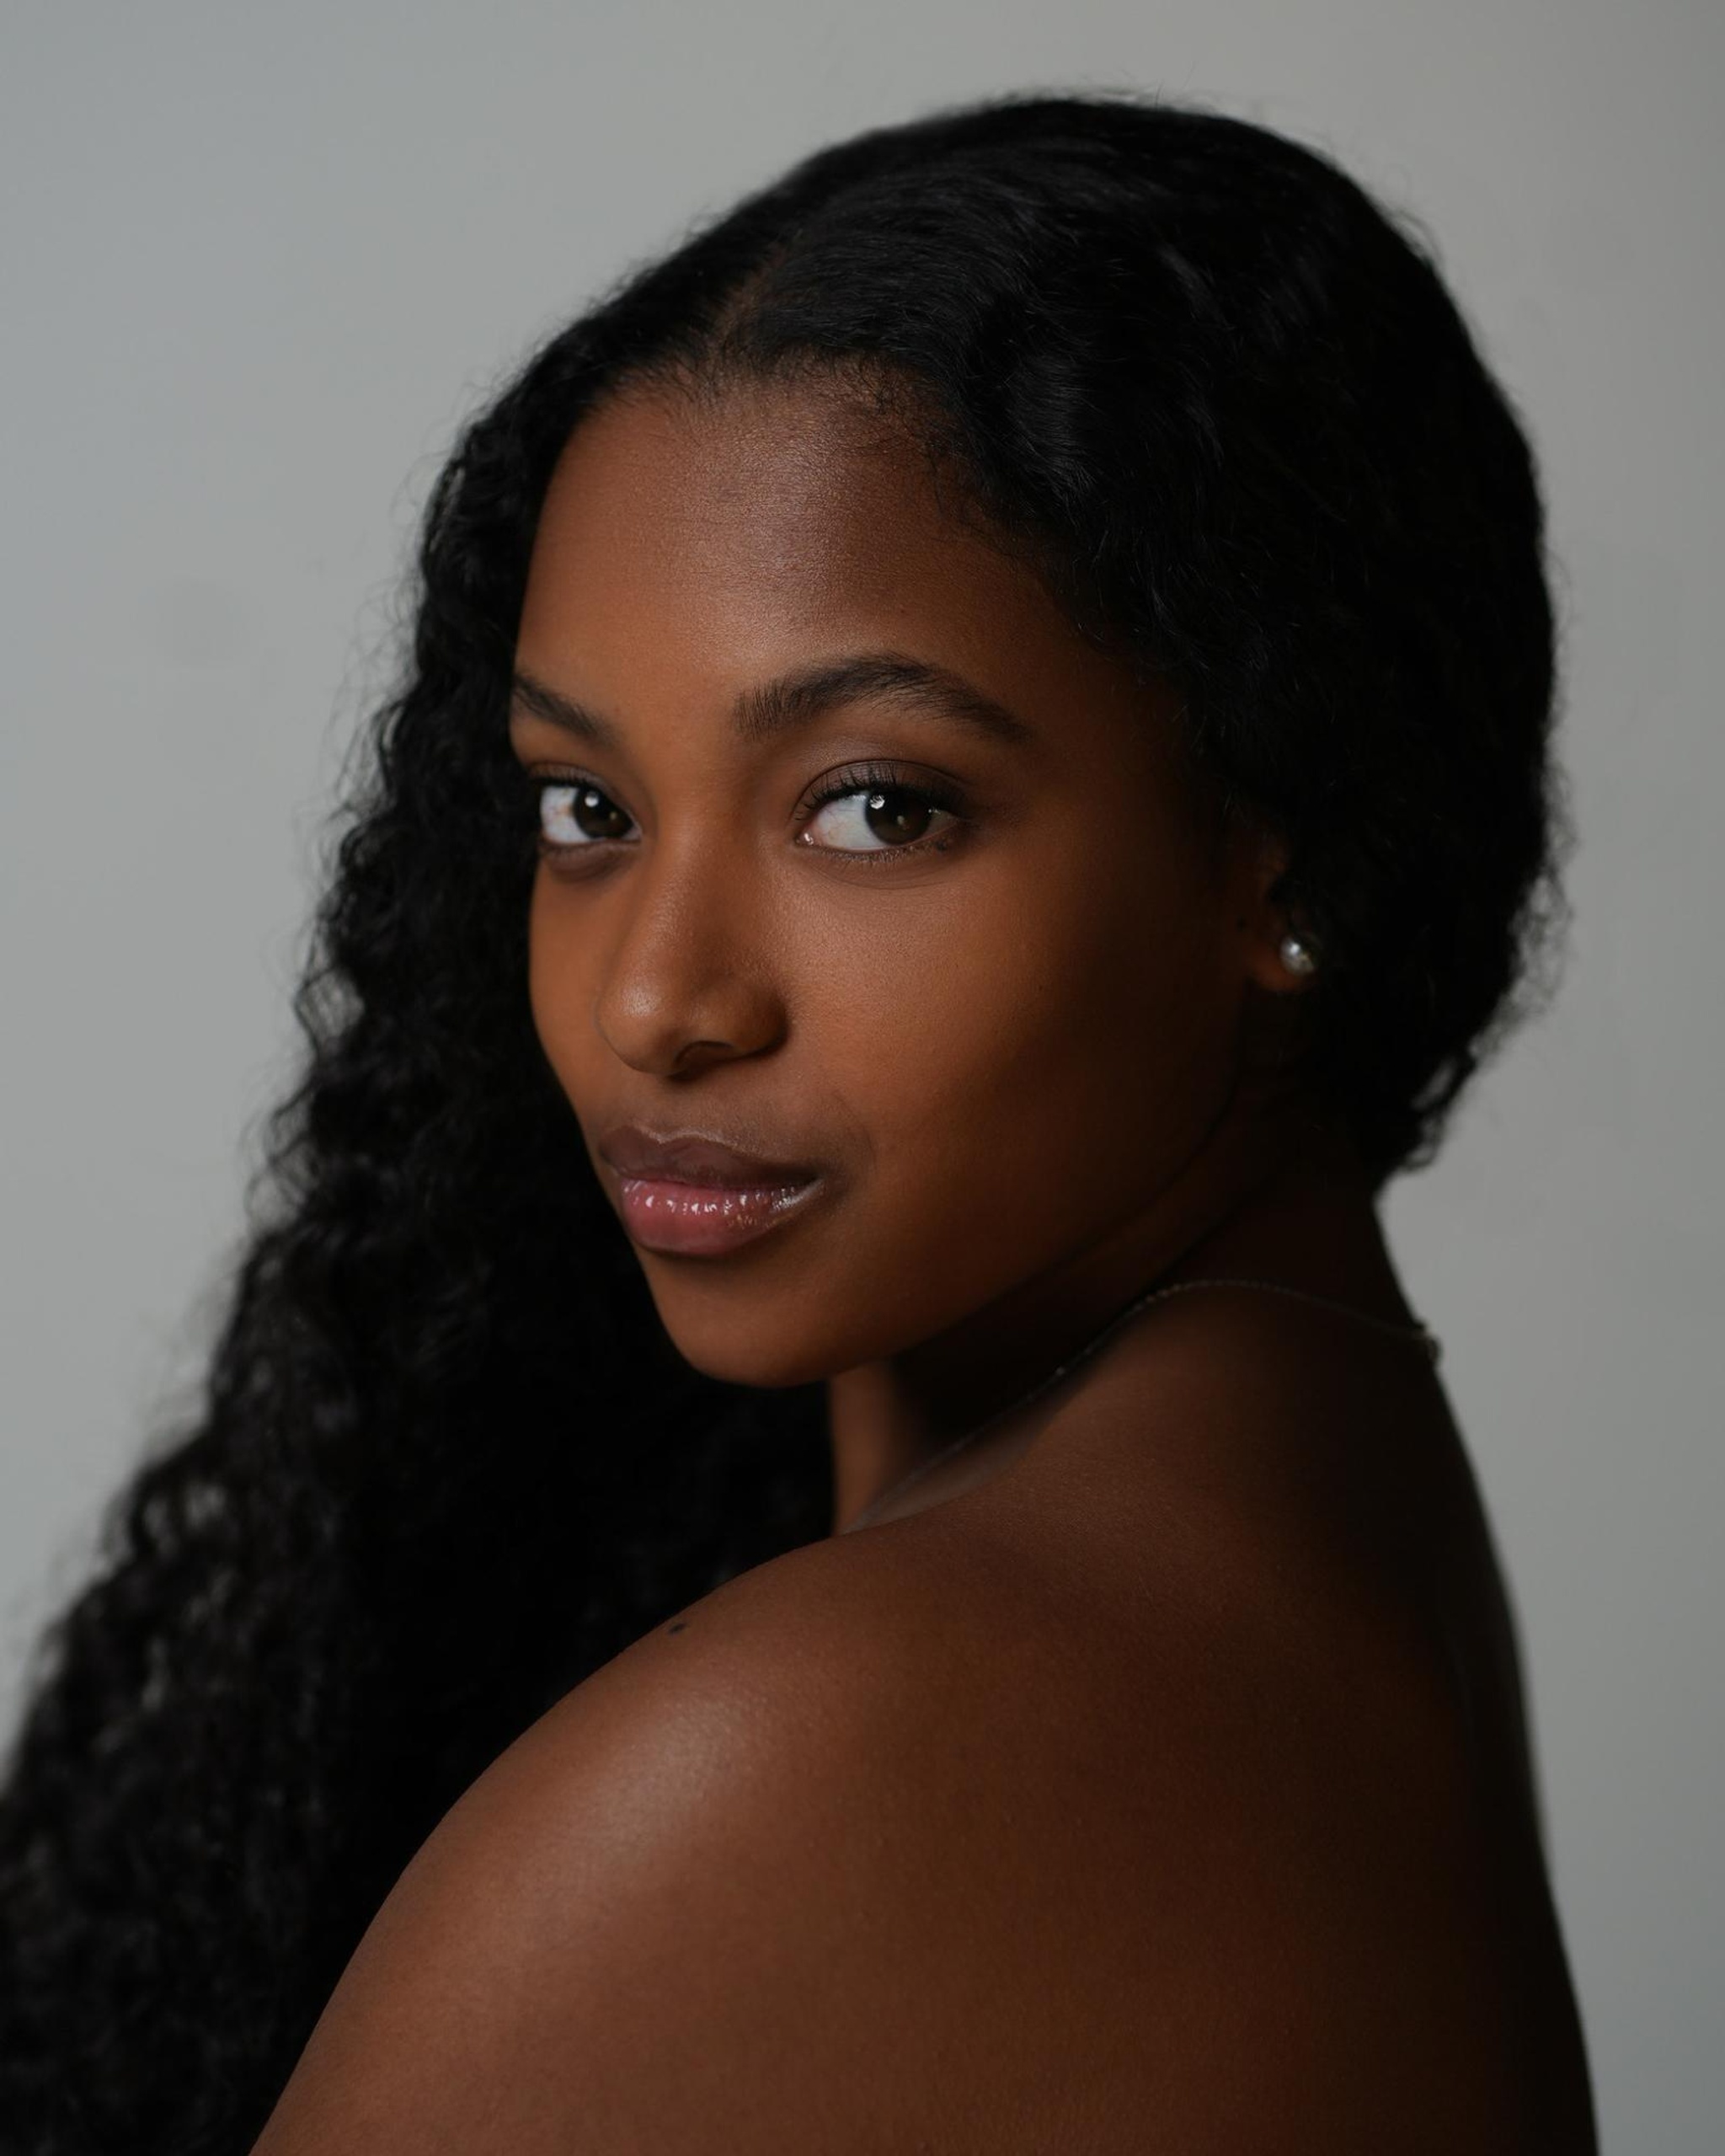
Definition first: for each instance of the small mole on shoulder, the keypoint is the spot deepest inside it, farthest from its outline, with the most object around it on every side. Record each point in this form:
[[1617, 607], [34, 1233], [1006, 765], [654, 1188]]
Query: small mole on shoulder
[[678, 1626]]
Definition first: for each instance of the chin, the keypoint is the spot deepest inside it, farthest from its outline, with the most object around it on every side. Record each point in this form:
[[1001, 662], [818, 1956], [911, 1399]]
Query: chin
[[721, 1344]]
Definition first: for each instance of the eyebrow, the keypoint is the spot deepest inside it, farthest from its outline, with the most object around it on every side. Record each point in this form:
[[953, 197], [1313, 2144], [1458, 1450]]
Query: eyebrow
[[797, 699]]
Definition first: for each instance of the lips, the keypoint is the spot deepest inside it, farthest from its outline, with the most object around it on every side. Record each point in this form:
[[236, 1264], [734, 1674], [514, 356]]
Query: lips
[[692, 1194]]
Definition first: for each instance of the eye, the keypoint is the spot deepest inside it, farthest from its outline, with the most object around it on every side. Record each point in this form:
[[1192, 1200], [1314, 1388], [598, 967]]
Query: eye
[[869, 810], [574, 813], [865, 811]]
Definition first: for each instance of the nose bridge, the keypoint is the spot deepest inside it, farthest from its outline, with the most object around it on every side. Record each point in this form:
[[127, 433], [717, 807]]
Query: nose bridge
[[688, 962]]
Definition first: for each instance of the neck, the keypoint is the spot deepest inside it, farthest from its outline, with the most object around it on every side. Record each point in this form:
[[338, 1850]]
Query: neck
[[1291, 1204]]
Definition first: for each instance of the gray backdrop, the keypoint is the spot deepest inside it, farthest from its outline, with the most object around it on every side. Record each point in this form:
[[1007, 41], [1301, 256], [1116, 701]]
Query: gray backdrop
[[258, 261]]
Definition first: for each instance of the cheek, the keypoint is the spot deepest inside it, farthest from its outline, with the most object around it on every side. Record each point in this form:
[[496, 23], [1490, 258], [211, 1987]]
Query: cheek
[[1039, 1076], [560, 998]]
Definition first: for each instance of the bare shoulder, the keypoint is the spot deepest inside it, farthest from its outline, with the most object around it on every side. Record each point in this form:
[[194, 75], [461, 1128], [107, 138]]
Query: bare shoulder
[[885, 1840], [680, 1912]]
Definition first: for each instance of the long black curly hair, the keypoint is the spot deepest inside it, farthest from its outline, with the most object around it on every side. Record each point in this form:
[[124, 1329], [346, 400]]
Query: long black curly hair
[[447, 1461]]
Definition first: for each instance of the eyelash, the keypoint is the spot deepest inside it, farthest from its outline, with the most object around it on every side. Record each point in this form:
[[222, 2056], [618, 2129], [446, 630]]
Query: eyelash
[[839, 785]]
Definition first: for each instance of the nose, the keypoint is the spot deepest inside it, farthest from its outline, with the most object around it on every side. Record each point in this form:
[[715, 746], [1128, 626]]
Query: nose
[[685, 984]]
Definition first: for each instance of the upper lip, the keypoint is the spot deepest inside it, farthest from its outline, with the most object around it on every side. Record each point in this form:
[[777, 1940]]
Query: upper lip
[[693, 1157]]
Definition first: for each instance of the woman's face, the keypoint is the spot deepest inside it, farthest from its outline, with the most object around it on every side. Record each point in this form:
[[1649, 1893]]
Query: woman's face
[[989, 991]]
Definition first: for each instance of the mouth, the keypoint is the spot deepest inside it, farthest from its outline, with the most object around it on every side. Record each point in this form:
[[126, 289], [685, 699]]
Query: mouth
[[694, 1195]]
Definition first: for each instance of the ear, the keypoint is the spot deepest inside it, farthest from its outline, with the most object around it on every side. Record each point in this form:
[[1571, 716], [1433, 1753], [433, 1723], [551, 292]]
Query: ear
[[1276, 952]]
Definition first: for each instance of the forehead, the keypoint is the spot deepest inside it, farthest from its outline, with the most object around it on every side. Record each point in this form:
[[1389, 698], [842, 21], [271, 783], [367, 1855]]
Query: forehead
[[743, 526]]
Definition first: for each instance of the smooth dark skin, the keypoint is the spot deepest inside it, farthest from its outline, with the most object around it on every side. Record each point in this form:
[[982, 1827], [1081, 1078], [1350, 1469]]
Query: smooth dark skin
[[1154, 1778]]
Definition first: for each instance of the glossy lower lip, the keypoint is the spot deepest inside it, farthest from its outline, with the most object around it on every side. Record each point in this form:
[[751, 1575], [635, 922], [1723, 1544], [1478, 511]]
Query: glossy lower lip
[[704, 1220]]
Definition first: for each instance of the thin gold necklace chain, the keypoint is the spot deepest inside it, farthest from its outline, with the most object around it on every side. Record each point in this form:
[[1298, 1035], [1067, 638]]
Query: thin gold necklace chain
[[1417, 1335]]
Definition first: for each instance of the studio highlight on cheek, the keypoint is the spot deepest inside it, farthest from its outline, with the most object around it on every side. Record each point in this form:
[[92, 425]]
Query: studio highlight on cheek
[[824, 1518]]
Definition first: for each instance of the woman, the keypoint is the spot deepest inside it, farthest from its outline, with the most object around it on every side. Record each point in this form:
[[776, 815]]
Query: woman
[[820, 1523]]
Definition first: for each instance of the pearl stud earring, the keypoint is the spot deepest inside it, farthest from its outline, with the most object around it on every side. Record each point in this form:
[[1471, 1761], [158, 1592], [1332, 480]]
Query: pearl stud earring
[[1298, 955]]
